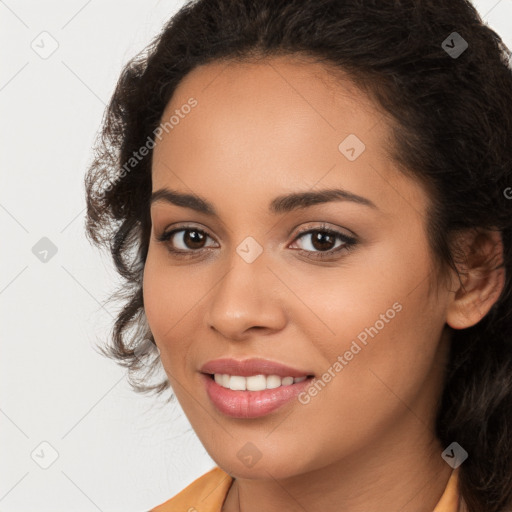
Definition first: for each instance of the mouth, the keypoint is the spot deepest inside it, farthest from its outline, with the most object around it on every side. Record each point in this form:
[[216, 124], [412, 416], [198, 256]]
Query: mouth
[[253, 396]]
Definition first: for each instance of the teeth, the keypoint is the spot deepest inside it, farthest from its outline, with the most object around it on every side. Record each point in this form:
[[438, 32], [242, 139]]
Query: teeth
[[237, 383], [273, 381], [254, 382]]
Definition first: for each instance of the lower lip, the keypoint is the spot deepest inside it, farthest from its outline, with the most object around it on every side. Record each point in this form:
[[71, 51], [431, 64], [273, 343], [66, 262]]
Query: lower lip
[[251, 404]]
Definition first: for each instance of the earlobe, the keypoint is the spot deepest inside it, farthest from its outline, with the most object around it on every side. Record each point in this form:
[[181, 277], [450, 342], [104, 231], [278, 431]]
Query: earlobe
[[482, 277]]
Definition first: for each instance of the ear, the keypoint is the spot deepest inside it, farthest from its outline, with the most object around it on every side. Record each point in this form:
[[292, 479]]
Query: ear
[[482, 274]]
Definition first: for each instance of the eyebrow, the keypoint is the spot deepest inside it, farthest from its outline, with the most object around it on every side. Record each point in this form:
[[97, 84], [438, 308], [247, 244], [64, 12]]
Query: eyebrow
[[279, 205]]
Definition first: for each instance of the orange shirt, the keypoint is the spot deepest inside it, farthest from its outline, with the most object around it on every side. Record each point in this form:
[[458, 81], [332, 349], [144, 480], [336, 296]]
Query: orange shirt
[[207, 494]]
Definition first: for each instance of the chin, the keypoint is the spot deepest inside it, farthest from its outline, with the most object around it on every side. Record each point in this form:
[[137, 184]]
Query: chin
[[276, 467]]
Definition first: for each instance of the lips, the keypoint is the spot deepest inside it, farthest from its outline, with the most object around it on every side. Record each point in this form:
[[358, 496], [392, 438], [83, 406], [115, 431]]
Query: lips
[[254, 366], [251, 404]]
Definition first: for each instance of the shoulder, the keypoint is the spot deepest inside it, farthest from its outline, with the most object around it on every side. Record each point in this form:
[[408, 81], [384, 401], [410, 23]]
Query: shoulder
[[206, 493]]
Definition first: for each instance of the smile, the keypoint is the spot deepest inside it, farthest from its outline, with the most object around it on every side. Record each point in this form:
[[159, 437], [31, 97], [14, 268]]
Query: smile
[[247, 403]]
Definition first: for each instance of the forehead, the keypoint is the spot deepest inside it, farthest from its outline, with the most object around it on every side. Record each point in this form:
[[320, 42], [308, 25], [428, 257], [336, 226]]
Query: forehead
[[275, 87], [274, 124]]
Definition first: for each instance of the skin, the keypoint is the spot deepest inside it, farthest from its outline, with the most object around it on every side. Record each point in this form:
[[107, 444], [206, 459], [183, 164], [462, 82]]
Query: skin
[[366, 441]]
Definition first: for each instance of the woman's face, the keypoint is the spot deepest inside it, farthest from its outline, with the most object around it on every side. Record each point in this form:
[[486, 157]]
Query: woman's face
[[262, 278]]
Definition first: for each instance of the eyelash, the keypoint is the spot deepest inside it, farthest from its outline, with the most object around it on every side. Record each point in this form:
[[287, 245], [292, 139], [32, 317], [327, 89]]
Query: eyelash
[[349, 242]]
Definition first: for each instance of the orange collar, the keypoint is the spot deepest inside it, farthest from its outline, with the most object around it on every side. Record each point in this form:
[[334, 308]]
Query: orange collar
[[208, 492]]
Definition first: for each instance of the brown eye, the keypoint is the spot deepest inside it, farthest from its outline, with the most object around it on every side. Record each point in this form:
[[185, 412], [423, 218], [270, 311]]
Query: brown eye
[[193, 239], [184, 240], [322, 241]]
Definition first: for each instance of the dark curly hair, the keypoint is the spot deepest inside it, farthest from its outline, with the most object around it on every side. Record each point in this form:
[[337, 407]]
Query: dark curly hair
[[452, 130]]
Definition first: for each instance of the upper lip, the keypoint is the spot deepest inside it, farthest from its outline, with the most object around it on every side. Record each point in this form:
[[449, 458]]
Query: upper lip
[[254, 366]]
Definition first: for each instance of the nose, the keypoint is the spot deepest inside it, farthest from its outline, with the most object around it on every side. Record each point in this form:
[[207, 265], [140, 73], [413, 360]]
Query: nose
[[247, 298]]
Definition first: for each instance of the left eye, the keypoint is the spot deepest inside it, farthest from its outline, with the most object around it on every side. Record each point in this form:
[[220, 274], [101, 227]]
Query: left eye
[[322, 240]]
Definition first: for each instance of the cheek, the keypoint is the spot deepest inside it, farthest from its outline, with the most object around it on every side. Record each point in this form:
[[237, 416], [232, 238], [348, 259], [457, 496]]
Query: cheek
[[378, 317], [154, 296], [172, 298], [163, 306], [366, 386]]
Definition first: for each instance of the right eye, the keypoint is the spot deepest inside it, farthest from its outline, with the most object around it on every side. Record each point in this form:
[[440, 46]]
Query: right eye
[[191, 240]]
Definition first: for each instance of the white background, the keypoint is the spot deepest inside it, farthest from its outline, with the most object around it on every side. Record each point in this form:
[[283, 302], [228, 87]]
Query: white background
[[117, 451]]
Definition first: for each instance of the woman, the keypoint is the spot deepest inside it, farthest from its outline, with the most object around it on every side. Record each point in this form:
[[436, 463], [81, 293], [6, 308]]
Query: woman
[[310, 202]]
